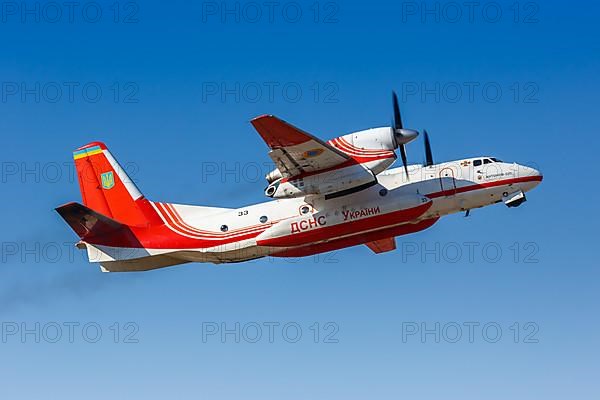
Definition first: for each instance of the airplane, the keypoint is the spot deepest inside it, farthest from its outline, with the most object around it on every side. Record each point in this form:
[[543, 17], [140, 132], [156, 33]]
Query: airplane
[[325, 196]]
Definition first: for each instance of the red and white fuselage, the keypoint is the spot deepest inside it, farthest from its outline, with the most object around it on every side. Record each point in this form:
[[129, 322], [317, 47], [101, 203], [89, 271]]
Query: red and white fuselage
[[123, 231]]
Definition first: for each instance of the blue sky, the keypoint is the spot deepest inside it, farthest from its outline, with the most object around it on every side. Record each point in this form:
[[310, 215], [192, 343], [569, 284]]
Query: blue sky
[[171, 86]]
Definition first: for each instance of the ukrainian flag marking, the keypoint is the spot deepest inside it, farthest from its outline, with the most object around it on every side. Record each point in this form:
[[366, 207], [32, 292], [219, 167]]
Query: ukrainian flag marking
[[90, 151]]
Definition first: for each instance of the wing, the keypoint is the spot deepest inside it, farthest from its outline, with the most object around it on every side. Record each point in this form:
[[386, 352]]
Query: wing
[[383, 245], [297, 152]]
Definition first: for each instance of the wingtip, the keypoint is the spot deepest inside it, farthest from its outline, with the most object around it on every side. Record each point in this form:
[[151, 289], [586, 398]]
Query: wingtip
[[66, 206], [261, 117]]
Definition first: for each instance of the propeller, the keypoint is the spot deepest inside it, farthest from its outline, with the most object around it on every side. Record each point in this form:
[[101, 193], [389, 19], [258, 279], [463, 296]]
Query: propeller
[[428, 155], [401, 135]]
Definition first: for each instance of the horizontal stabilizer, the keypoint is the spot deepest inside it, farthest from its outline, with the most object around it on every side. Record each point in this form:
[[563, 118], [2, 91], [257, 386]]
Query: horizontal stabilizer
[[93, 227]]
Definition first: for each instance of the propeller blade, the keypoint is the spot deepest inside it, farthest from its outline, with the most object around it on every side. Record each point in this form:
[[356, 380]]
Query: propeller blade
[[401, 135], [403, 154], [397, 116], [428, 155]]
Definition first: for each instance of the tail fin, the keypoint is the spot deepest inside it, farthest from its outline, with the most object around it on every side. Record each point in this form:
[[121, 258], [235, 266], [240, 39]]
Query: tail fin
[[106, 188]]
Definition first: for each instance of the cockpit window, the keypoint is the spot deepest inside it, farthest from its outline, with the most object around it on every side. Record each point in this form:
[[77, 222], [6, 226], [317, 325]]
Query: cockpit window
[[476, 163], [487, 161], [496, 159]]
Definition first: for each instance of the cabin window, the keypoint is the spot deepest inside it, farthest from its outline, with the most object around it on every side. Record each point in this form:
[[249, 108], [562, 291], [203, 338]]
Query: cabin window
[[383, 192], [263, 219], [476, 163], [224, 228], [304, 210]]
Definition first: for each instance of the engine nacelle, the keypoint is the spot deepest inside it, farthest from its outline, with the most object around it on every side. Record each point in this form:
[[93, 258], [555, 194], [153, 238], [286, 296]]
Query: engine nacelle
[[321, 184], [273, 175], [371, 139], [373, 148]]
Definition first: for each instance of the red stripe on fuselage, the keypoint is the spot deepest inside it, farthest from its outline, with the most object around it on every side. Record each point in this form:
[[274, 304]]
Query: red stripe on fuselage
[[354, 240], [346, 228], [484, 185], [174, 220]]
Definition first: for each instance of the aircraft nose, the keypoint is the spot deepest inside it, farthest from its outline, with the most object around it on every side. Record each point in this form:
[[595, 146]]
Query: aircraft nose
[[534, 175], [525, 171], [534, 172]]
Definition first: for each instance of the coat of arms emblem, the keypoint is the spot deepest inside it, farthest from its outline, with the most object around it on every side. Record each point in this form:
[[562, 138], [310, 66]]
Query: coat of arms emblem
[[108, 180]]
